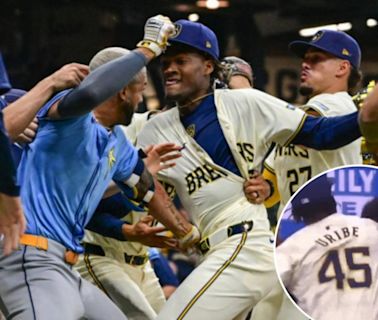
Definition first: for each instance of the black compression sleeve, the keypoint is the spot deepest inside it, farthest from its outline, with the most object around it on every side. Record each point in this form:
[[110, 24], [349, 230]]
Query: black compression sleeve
[[101, 84]]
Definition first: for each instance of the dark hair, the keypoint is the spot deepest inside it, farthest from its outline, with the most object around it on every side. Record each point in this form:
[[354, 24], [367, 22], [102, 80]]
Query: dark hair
[[370, 210], [314, 201], [354, 80], [314, 211]]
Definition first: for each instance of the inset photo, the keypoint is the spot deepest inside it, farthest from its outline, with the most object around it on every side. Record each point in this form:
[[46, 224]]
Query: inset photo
[[326, 251]]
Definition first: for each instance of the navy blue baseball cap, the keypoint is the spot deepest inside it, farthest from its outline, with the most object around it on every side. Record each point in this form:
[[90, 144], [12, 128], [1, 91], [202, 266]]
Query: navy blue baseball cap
[[4, 80], [337, 43], [316, 192], [196, 35]]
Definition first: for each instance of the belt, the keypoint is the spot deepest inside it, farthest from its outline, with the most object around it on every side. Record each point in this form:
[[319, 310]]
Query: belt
[[99, 251], [222, 234], [42, 243]]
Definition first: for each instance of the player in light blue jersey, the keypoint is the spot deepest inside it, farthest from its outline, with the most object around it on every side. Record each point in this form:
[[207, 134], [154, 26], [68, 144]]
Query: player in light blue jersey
[[64, 173], [16, 119]]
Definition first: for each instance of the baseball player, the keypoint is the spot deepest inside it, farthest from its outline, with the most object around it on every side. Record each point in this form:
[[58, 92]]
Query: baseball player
[[16, 119], [122, 268], [225, 134], [330, 266], [64, 174], [238, 74], [137, 123], [330, 71]]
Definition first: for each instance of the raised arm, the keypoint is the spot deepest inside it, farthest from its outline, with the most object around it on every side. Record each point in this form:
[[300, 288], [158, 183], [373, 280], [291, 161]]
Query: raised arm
[[19, 114], [111, 77], [101, 84]]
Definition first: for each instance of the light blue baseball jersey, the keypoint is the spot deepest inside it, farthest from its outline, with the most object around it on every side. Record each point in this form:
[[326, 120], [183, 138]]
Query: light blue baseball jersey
[[65, 172]]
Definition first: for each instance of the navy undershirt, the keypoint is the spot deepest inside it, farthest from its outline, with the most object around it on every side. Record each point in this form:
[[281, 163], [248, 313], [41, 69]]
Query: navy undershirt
[[209, 135]]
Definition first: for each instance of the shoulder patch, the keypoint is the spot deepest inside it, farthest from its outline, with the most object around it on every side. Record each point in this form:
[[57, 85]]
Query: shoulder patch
[[319, 105], [290, 106]]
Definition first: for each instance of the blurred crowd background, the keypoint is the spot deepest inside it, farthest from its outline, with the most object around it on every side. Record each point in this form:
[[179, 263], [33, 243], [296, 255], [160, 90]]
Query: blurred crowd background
[[37, 37]]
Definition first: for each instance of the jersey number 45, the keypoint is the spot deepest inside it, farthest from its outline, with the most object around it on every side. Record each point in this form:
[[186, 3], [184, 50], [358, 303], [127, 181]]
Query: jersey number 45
[[332, 268]]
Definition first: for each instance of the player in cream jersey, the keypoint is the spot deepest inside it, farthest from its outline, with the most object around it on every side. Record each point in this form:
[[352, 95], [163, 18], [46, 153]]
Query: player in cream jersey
[[210, 192], [329, 72], [224, 134], [137, 123], [331, 265], [295, 165], [214, 196]]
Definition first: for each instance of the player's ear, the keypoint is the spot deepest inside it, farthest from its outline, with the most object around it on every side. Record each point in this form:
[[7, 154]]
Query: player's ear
[[343, 68], [123, 93], [209, 66]]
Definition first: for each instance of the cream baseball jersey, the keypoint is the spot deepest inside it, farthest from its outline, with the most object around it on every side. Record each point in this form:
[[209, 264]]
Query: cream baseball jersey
[[331, 267], [250, 120], [294, 165]]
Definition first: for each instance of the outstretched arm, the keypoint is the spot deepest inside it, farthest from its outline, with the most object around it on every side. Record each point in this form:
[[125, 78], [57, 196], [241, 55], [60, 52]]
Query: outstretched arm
[[328, 133]]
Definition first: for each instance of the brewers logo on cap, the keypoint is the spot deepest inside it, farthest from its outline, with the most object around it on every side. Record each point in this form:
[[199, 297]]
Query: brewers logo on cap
[[177, 31], [208, 44], [317, 36]]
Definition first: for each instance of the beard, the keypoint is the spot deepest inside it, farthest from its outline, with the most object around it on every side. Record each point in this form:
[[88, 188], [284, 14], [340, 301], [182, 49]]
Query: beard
[[305, 91], [128, 117], [126, 113]]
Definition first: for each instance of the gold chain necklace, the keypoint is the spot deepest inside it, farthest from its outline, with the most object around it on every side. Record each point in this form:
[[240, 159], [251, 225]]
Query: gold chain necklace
[[195, 100]]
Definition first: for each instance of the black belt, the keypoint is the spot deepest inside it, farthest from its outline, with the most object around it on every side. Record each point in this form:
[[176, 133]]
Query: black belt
[[222, 234], [97, 250]]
